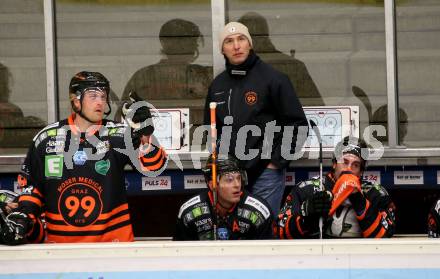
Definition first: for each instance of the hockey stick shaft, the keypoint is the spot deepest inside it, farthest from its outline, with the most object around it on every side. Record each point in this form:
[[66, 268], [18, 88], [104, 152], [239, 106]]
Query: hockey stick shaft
[[212, 108], [321, 186]]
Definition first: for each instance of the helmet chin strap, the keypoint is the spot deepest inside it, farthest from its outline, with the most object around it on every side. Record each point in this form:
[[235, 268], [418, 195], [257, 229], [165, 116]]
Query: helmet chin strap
[[109, 107]]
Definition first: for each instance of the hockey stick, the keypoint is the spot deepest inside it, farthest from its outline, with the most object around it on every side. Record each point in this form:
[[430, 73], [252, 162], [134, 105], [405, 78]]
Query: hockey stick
[[212, 107], [321, 186]]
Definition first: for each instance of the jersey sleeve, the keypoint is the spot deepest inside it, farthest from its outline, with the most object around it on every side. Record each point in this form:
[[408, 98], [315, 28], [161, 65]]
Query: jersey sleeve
[[30, 179], [150, 157], [154, 158], [182, 232], [377, 218], [183, 229], [265, 231], [290, 224], [31, 200], [434, 221]]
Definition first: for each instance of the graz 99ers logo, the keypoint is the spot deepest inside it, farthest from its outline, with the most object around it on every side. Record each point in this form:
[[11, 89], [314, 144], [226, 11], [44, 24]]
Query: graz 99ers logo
[[80, 205]]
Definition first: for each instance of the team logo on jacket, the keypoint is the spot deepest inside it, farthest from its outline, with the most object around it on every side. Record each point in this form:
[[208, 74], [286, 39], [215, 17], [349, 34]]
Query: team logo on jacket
[[250, 98]]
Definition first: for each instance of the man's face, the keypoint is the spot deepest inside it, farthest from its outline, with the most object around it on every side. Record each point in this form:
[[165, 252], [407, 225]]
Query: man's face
[[236, 48], [93, 104], [229, 188], [348, 161]]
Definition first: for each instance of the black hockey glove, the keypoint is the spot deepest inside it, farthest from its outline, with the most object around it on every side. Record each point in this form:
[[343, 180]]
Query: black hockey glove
[[318, 204], [141, 121], [17, 226], [359, 202], [434, 221]]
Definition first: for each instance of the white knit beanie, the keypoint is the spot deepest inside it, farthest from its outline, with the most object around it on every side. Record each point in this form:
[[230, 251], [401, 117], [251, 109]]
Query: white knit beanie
[[233, 28]]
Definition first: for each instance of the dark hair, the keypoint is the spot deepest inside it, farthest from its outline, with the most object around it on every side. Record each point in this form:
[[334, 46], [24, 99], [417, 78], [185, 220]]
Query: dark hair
[[351, 145]]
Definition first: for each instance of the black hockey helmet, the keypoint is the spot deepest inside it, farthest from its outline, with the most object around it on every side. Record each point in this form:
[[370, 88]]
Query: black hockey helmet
[[84, 80], [352, 145], [225, 164]]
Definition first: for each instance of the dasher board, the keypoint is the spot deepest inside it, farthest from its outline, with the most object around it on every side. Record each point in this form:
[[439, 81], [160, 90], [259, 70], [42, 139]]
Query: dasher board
[[335, 258]]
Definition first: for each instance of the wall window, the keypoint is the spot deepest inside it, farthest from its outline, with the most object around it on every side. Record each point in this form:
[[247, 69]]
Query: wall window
[[23, 107], [418, 49], [161, 51], [332, 51]]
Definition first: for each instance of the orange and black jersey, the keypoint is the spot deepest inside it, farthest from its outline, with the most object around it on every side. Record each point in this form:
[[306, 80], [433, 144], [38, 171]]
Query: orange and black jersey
[[77, 180], [434, 220], [374, 220], [250, 218]]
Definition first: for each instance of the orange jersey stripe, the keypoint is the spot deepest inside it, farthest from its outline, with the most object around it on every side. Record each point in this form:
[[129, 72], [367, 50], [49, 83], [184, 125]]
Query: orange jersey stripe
[[102, 216], [154, 167], [298, 225], [381, 233], [35, 191], [287, 229], [152, 159], [41, 234], [118, 209], [100, 227], [54, 216], [124, 234], [281, 232], [30, 199], [373, 226], [367, 205]]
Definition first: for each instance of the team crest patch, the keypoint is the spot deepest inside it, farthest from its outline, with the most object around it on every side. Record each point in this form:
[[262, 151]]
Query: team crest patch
[[102, 166], [251, 98]]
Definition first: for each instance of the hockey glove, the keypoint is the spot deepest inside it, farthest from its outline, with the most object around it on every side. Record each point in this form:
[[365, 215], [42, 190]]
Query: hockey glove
[[139, 118], [17, 226], [359, 202], [434, 221], [317, 205]]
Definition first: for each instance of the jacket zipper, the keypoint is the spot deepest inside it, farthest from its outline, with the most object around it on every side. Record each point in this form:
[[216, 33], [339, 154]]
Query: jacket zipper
[[229, 101]]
